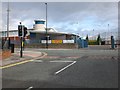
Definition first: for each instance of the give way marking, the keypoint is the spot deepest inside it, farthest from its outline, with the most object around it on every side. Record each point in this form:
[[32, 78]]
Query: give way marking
[[73, 62]]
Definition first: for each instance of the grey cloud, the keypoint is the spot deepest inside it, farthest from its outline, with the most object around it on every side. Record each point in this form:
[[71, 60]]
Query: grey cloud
[[61, 11], [64, 13], [64, 10]]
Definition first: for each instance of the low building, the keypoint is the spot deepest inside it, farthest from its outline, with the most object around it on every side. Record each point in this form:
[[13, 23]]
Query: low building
[[39, 34]]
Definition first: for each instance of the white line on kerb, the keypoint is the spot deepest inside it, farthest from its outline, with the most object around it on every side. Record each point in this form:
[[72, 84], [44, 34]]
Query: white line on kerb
[[61, 61], [65, 68]]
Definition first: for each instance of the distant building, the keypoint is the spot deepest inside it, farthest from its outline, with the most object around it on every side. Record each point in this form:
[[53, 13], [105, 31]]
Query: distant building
[[38, 34]]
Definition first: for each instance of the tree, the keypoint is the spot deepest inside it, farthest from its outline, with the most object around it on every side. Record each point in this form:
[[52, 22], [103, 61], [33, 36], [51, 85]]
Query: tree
[[87, 37], [98, 40]]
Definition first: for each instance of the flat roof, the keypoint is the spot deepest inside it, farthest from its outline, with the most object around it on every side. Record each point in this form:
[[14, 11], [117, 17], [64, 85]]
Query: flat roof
[[44, 32], [40, 20]]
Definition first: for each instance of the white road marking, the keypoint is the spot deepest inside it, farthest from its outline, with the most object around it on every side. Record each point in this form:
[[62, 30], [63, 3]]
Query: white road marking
[[37, 61], [73, 57], [60, 61], [29, 88], [65, 68], [44, 54]]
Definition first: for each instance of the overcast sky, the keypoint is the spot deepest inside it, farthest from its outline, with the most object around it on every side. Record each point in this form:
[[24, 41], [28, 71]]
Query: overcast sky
[[71, 17]]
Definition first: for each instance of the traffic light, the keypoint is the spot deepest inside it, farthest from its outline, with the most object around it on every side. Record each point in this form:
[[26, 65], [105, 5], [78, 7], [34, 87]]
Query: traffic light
[[25, 31], [20, 27]]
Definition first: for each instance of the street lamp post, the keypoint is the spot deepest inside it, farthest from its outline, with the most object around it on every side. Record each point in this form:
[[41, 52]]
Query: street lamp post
[[14, 36], [105, 37], [77, 36], [93, 34], [46, 28], [108, 34], [108, 31]]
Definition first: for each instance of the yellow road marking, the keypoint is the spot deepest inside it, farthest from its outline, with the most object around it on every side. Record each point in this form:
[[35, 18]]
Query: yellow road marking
[[11, 65], [21, 62]]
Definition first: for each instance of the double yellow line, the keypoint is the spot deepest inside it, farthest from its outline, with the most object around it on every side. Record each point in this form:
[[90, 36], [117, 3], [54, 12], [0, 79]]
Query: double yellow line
[[22, 62]]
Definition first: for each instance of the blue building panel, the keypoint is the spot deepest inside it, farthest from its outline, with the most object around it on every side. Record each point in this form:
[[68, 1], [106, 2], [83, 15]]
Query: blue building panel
[[32, 35]]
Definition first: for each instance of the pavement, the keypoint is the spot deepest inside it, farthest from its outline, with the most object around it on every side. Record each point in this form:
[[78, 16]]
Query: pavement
[[15, 57]]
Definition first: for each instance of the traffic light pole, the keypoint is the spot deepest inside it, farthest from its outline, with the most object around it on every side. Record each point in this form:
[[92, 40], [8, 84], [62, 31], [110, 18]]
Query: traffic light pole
[[21, 51], [22, 31], [21, 39]]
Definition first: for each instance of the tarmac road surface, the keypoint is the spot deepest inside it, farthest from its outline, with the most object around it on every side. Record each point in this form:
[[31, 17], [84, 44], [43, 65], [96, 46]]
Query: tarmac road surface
[[65, 69]]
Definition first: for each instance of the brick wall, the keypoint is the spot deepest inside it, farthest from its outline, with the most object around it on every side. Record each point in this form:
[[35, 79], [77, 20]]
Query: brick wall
[[55, 45]]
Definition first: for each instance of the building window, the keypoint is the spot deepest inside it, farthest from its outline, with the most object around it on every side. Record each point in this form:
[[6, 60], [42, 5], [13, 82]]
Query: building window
[[40, 22]]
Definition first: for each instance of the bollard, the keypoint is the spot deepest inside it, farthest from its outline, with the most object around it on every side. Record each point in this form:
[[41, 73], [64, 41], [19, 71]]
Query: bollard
[[12, 48], [112, 42]]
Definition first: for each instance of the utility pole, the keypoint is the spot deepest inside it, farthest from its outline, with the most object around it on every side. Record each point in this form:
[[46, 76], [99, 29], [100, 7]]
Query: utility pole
[[46, 28], [8, 10]]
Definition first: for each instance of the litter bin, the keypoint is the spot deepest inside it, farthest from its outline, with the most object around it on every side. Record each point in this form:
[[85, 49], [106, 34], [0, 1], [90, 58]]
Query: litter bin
[[12, 48]]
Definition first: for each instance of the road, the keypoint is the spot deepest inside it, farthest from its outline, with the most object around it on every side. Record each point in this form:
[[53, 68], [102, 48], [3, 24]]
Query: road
[[70, 68]]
